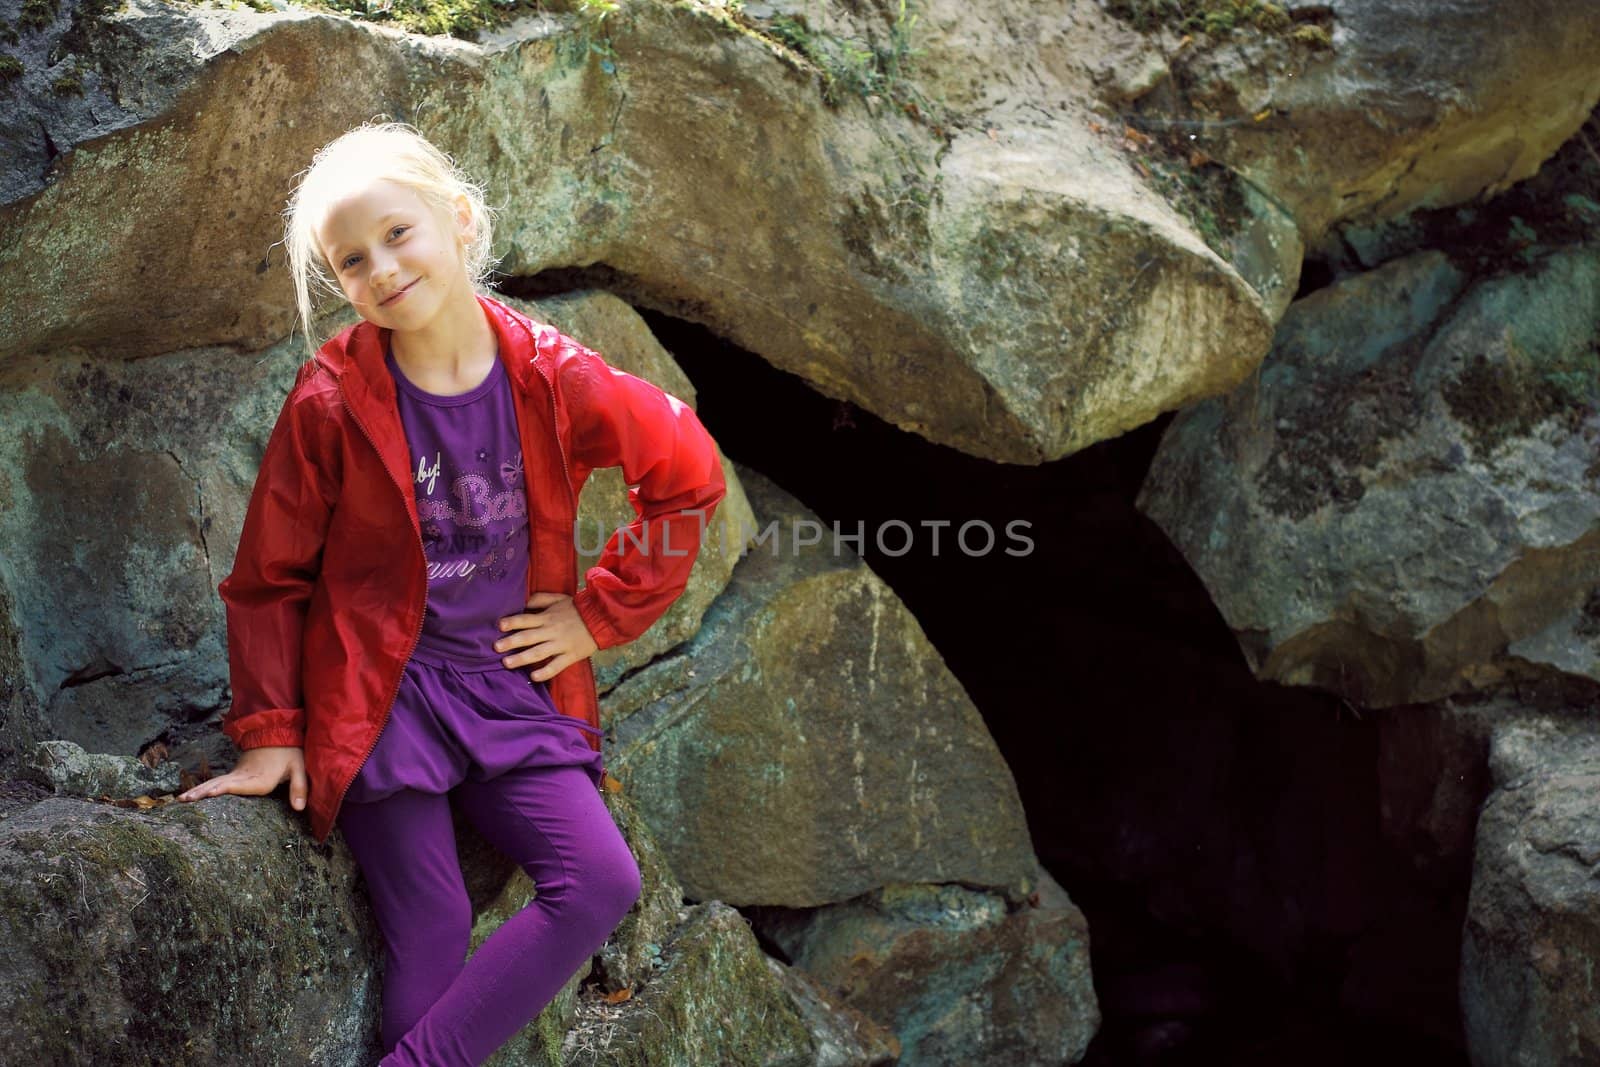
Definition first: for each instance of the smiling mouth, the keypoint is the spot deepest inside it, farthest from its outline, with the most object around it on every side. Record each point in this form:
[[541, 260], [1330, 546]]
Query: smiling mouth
[[396, 294]]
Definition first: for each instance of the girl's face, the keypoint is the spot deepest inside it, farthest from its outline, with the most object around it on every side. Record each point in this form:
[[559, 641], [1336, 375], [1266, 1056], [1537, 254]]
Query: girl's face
[[397, 260]]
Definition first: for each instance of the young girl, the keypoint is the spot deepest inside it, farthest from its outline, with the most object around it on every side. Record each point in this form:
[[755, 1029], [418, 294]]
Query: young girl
[[407, 556]]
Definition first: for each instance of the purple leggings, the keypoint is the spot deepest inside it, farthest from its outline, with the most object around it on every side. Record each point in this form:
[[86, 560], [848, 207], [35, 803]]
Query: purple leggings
[[551, 820]]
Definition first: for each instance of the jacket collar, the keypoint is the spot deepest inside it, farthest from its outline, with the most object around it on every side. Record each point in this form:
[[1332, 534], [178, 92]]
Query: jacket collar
[[356, 354]]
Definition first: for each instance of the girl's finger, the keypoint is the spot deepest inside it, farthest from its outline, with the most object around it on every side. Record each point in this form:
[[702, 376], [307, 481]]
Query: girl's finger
[[553, 668], [520, 622], [533, 654], [540, 600], [517, 640], [297, 787]]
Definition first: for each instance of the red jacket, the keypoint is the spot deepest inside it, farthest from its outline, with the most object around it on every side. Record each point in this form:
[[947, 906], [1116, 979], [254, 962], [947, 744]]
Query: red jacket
[[326, 598]]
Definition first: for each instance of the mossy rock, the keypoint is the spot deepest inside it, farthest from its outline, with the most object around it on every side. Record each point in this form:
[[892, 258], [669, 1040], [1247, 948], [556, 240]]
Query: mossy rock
[[180, 935], [715, 1000]]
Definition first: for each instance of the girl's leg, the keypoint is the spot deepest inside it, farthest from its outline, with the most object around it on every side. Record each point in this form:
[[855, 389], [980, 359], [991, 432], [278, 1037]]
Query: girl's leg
[[553, 822], [406, 847]]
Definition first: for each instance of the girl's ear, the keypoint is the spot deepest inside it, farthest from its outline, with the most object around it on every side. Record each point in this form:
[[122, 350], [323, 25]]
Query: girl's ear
[[465, 230]]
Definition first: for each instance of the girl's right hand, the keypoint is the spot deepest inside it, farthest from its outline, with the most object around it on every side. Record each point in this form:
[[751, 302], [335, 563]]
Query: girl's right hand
[[258, 772]]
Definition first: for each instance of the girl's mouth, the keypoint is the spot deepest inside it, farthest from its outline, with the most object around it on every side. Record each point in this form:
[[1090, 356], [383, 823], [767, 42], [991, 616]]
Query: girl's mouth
[[396, 296]]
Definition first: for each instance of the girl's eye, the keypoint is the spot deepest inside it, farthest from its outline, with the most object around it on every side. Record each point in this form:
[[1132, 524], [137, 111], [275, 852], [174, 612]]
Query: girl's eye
[[347, 262], [398, 229]]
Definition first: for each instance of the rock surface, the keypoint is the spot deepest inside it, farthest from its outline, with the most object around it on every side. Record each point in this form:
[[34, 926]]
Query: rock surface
[[811, 710], [219, 933], [1413, 104], [961, 979], [181, 935], [1532, 939], [66, 768], [1404, 505], [1016, 296]]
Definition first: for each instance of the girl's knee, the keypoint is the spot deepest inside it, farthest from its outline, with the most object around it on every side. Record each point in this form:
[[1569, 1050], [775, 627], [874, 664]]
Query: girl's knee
[[612, 886]]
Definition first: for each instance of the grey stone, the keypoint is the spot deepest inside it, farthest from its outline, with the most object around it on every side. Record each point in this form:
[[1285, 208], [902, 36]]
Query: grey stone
[[1404, 505], [808, 744], [1531, 944], [68, 769]]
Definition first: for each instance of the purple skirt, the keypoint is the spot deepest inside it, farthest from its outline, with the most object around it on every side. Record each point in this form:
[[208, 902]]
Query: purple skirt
[[453, 721]]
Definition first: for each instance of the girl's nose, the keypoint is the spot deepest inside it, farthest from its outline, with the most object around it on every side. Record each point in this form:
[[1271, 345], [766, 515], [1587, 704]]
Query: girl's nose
[[383, 270]]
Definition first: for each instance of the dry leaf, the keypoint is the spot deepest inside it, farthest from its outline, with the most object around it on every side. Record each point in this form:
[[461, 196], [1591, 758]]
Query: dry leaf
[[1198, 158], [154, 756], [143, 802], [1263, 113], [619, 996], [610, 784], [1138, 137]]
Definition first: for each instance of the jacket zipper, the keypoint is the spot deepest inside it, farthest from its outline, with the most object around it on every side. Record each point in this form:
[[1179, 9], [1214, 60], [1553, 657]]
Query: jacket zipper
[[415, 638]]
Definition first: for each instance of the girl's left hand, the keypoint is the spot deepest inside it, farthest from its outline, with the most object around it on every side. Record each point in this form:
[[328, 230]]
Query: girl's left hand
[[550, 630]]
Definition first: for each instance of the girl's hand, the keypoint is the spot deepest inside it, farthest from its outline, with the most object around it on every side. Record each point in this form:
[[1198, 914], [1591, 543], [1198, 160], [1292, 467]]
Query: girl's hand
[[552, 630], [258, 772]]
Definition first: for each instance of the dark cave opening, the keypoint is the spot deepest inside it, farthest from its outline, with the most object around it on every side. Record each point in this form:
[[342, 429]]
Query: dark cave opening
[[1222, 836]]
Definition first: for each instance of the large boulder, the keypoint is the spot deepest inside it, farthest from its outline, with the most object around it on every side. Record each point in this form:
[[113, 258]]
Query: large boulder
[[808, 744], [1363, 110], [219, 933], [122, 492], [1531, 944], [181, 935], [962, 978], [1017, 296], [1404, 505]]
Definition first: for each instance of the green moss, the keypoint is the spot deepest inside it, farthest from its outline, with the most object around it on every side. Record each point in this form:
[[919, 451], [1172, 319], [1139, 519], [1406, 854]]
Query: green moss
[[1340, 428], [439, 17], [864, 69], [37, 14], [1498, 400], [1218, 18], [1208, 195], [118, 908], [458, 18], [69, 84], [1312, 36], [86, 18], [10, 67]]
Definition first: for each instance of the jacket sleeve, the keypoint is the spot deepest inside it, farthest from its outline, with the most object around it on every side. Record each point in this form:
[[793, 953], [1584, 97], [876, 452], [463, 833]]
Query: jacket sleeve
[[675, 482], [274, 572]]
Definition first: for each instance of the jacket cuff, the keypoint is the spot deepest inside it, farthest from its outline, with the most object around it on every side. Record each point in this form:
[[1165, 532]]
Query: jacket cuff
[[267, 727], [594, 619], [271, 736]]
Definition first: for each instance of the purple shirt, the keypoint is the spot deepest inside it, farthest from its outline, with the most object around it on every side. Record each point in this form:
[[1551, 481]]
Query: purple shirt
[[466, 458]]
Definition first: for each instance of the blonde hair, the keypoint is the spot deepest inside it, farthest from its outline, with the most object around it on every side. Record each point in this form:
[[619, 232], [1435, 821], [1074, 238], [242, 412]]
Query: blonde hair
[[394, 151]]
